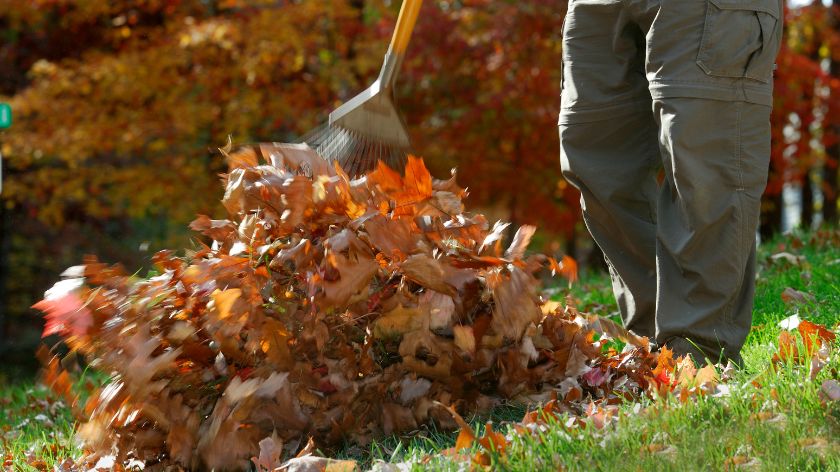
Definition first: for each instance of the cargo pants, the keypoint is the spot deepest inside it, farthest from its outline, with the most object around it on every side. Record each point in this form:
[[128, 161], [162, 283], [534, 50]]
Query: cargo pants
[[684, 86]]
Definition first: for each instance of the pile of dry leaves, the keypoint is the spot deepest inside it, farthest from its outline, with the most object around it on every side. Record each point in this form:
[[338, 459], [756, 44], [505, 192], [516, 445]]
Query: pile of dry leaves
[[329, 308]]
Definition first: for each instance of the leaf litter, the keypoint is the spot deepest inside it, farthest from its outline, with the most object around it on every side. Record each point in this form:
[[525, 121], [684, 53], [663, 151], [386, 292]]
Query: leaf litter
[[328, 310]]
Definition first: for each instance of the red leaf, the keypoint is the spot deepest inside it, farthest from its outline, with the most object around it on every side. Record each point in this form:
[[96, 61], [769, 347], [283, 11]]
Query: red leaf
[[64, 310]]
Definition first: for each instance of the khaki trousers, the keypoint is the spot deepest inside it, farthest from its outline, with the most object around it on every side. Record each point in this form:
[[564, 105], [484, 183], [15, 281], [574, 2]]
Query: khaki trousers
[[684, 85]]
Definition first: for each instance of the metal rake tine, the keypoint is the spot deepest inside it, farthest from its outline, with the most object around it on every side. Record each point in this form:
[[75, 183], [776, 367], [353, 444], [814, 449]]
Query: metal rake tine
[[350, 157], [333, 144]]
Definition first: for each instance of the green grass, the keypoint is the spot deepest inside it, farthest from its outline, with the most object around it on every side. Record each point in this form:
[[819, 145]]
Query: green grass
[[772, 420], [33, 423]]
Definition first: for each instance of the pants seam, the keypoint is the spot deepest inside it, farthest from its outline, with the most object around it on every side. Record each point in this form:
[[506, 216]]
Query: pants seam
[[739, 192], [629, 104]]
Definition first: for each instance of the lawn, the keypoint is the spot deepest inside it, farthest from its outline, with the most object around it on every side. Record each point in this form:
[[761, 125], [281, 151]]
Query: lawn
[[774, 417]]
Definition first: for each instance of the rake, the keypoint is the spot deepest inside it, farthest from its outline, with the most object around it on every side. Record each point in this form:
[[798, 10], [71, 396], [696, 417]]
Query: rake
[[368, 128]]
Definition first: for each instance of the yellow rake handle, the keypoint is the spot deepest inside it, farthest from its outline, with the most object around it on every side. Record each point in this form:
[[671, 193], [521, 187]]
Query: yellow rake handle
[[405, 25]]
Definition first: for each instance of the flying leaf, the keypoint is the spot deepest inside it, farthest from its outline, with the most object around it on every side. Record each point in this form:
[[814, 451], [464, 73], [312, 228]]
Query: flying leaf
[[520, 242], [224, 301], [64, 310], [567, 267], [271, 449]]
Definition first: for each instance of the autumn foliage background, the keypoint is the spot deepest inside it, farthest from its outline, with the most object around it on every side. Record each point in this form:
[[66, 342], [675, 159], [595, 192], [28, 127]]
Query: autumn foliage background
[[119, 107]]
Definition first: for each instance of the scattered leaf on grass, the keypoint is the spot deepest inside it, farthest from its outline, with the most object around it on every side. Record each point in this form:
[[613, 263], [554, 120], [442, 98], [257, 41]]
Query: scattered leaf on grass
[[792, 296], [789, 258], [790, 323], [830, 390]]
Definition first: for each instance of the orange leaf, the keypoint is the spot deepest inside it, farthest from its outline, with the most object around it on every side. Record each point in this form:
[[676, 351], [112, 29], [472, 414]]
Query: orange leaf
[[417, 178], [388, 180], [493, 441], [814, 335], [787, 348], [466, 437], [224, 300], [567, 267]]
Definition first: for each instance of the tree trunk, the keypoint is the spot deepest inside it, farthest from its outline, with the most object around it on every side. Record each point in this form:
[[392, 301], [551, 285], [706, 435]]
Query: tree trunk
[[595, 260], [771, 217], [807, 219]]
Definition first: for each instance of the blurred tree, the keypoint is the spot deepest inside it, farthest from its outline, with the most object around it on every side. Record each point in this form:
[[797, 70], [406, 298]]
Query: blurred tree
[[118, 103], [482, 91], [831, 176], [805, 118]]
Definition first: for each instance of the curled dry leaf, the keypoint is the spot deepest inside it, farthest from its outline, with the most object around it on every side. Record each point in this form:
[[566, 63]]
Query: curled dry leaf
[[793, 296], [788, 258], [830, 390], [317, 464]]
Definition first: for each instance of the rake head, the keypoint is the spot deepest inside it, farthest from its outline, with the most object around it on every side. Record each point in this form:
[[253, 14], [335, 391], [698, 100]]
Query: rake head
[[366, 129], [356, 152]]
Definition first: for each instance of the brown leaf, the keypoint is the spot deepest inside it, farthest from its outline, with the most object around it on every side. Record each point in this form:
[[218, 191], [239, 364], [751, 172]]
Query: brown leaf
[[275, 344], [830, 390], [428, 272], [392, 236], [413, 388], [355, 275], [296, 157], [520, 242], [609, 328], [707, 376], [318, 464], [218, 230], [224, 301], [516, 303], [441, 309], [388, 180], [789, 258], [793, 296], [397, 419], [464, 338], [426, 355], [399, 321], [142, 363], [241, 158], [271, 449]]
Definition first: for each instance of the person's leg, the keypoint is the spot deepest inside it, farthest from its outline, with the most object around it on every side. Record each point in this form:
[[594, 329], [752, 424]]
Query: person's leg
[[609, 148], [709, 65], [716, 155]]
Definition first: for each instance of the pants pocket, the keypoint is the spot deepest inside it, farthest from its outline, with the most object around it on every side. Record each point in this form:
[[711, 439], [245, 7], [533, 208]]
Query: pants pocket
[[741, 39]]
